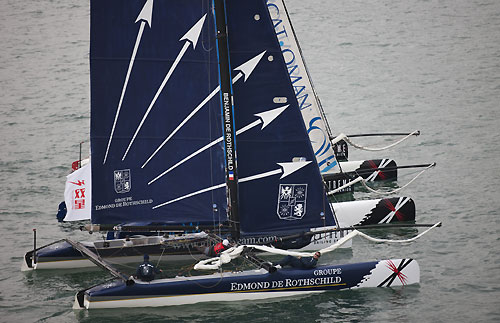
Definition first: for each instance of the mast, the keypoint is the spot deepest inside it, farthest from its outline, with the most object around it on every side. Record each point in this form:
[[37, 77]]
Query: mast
[[228, 117]]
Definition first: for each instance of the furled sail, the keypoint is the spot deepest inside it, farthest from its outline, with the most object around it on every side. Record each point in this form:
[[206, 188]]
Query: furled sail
[[154, 75]]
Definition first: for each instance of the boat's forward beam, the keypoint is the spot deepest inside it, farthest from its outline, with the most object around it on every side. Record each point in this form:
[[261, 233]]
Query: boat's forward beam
[[98, 260]]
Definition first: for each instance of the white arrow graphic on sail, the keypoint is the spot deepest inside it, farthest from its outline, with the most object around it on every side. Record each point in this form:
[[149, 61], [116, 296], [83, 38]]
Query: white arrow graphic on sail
[[265, 118], [191, 38], [286, 169], [245, 69], [145, 16]]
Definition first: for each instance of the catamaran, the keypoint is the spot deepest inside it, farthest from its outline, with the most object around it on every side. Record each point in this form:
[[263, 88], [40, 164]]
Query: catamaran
[[160, 154], [259, 179]]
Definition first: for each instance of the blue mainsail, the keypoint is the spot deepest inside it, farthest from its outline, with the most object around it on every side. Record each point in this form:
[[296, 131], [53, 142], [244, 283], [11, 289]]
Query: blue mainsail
[[151, 66], [281, 201], [157, 120]]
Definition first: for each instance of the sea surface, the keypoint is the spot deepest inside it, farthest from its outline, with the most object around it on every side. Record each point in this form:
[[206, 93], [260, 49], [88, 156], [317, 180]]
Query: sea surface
[[378, 66]]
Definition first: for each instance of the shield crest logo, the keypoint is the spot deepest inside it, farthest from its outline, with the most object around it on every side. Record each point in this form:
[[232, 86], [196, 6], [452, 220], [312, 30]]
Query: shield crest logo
[[292, 201], [123, 181]]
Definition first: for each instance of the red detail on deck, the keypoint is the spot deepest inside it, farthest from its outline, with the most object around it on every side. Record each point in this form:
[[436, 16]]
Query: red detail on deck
[[402, 277], [75, 165], [398, 214]]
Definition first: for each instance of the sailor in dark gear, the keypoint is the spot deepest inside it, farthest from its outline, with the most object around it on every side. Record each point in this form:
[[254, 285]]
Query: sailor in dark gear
[[146, 271], [300, 262]]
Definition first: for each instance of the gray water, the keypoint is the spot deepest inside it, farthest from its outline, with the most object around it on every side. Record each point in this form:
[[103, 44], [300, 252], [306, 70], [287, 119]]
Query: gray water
[[377, 66]]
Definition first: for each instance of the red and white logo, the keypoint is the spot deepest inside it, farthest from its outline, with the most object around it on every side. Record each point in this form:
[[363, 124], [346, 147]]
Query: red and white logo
[[79, 199], [78, 194]]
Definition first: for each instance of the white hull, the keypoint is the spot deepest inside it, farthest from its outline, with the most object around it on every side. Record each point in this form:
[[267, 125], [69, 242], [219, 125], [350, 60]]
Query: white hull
[[189, 299], [349, 213]]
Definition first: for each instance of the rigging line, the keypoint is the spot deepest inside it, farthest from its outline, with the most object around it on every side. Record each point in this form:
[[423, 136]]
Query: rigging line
[[398, 189], [346, 138], [301, 57], [159, 259], [354, 181], [363, 181], [234, 252], [416, 133]]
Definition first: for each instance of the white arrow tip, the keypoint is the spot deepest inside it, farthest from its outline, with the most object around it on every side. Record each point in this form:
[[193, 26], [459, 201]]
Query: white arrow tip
[[194, 33], [248, 67], [289, 168], [268, 116], [146, 13]]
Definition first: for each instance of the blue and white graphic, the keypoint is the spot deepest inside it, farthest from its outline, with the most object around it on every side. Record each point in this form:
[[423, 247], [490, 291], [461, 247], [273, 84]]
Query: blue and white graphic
[[310, 107], [123, 181], [292, 201], [156, 113]]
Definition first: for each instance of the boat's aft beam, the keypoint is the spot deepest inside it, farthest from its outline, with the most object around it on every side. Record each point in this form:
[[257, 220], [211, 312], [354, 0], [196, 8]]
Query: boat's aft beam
[[260, 263]]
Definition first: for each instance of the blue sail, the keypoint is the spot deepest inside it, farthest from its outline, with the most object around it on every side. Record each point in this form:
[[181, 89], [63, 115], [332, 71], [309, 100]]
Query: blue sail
[[273, 198], [151, 65]]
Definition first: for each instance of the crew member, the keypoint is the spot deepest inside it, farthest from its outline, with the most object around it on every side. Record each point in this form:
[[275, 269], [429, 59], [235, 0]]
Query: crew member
[[300, 262], [146, 271], [217, 249]]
